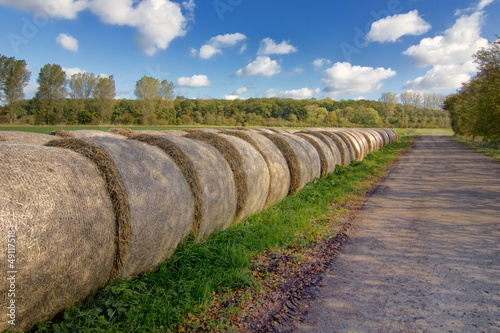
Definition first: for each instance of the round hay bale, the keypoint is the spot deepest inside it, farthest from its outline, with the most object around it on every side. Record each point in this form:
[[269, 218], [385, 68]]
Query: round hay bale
[[57, 204], [325, 154], [385, 137], [116, 189], [378, 138], [62, 133], [279, 173], [353, 152], [161, 205], [173, 132], [209, 177], [313, 155], [249, 168], [342, 147], [84, 134], [296, 157], [330, 143], [28, 138], [126, 132], [360, 143]]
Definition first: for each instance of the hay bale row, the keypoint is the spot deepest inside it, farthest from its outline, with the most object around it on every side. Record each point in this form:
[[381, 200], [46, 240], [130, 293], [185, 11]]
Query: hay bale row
[[93, 206]]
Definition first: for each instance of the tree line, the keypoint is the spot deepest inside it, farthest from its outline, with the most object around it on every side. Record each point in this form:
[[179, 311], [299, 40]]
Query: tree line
[[475, 108], [85, 98]]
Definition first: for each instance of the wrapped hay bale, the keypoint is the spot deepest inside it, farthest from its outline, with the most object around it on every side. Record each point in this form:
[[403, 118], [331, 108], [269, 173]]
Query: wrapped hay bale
[[327, 159], [393, 136], [279, 173], [251, 174], [28, 138], [296, 157], [341, 145], [209, 177], [160, 202], [360, 142], [84, 134], [353, 152], [330, 143], [385, 137], [313, 155], [126, 132], [356, 144], [56, 207], [62, 133]]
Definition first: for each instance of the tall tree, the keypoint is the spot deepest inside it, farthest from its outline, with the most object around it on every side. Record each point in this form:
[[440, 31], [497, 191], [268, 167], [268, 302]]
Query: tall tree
[[15, 77], [82, 85], [389, 97], [147, 91], [104, 93], [52, 86]]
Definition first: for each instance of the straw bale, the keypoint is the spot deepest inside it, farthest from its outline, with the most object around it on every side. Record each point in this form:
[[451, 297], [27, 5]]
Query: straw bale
[[116, 189], [29, 138], [247, 166], [296, 157], [360, 143], [84, 134], [353, 152], [209, 177], [341, 145], [59, 207], [161, 204], [356, 144], [385, 137], [330, 143], [173, 132], [276, 163], [313, 155], [126, 132], [62, 133], [325, 153]]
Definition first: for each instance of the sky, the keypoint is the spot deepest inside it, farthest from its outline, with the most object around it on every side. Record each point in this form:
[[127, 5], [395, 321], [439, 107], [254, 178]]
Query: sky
[[231, 49]]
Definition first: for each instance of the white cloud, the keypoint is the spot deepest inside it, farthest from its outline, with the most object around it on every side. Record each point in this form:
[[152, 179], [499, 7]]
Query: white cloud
[[343, 78], [391, 28], [70, 71], [262, 66], [320, 63], [483, 3], [295, 71], [442, 77], [195, 81], [457, 45], [67, 42], [157, 21], [303, 93], [269, 46], [216, 44], [236, 94]]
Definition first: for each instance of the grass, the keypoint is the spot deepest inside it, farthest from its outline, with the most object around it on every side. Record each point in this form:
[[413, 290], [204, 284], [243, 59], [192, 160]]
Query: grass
[[418, 131], [186, 282], [481, 148]]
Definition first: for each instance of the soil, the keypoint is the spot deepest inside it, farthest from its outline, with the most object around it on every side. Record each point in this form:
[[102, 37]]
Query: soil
[[424, 255]]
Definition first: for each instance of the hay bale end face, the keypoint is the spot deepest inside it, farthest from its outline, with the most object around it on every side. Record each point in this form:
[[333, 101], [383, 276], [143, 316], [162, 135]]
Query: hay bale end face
[[209, 176], [58, 206], [314, 158], [278, 168], [161, 205], [342, 147], [326, 156], [331, 145], [28, 138]]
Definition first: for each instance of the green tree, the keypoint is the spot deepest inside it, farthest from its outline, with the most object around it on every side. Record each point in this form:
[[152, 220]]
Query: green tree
[[147, 91], [81, 85], [52, 86], [15, 77], [104, 92]]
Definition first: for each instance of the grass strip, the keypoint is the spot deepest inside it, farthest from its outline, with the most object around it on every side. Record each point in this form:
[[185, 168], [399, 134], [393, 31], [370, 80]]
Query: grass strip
[[185, 284], [480, 148]]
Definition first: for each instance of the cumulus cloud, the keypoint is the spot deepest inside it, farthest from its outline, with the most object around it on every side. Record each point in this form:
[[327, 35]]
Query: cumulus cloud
[[456, 45], [344, 79], [391, 28], [262, 66], [303, 93], [320, 63], [269, 46], [195, 81], [67, 42], [236, 94], [216, 44], [442, 77], [73, 70], [157, 21]]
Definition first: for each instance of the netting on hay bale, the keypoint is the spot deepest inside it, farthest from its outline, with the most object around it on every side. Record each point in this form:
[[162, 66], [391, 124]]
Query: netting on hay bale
[[58, 205], [249, 168], [341, 145], [126, 132], [279, 183], [296, 157], [210, 179], [329, 142], [25, 137], [84, 134], [325, 153]]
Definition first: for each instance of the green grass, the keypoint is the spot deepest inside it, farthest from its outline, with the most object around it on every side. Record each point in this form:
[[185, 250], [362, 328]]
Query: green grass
[[185, 282], [417, 131], [481, 148]]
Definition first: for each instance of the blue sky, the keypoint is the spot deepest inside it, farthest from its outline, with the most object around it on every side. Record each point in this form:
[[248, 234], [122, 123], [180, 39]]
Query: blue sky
[[252, 48]]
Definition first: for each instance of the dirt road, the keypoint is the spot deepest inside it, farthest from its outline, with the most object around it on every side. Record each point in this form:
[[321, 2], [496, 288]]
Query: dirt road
[[425, 256]]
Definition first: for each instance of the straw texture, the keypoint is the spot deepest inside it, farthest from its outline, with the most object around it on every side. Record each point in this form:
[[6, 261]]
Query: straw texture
[[25, 137]]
